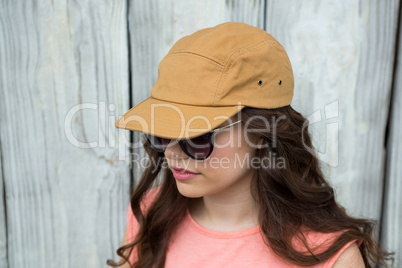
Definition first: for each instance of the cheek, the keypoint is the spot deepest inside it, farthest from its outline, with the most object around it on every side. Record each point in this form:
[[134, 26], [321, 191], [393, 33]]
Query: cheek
[[226, 160], [231, 155], [215, 164]]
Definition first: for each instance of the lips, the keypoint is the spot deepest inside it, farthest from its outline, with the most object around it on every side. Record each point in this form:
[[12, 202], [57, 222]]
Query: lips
[[184, 170]]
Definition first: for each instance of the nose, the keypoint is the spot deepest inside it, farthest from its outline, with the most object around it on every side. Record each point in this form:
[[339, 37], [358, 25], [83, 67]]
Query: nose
[[173, 150]]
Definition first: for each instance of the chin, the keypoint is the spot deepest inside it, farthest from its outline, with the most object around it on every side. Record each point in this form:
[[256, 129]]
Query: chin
[[188, 190]]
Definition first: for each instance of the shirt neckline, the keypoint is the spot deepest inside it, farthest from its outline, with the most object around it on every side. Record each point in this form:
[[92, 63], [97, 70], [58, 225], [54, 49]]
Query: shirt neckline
[[220, 234]]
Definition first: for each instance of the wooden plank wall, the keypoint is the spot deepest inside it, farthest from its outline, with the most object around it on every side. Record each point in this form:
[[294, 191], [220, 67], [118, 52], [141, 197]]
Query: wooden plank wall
[[65, 203], [64, 206], [3, 223], [392, 206], [343, 58]]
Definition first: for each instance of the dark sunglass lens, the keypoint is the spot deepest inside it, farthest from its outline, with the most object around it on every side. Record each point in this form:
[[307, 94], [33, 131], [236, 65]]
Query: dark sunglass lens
[[157, 143], [198, 147]]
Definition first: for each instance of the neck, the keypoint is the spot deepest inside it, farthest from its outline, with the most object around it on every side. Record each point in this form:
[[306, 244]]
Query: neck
[[226, 211]]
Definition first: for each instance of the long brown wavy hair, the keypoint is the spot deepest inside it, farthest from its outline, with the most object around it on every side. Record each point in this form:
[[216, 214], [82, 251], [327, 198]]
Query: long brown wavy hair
[[289, 198]]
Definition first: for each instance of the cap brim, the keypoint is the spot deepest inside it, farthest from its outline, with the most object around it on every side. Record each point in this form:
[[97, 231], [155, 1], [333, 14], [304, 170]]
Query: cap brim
[[174, 120]]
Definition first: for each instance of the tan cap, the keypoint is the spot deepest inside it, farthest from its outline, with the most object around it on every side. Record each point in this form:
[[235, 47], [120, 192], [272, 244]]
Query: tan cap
[[209, 76]]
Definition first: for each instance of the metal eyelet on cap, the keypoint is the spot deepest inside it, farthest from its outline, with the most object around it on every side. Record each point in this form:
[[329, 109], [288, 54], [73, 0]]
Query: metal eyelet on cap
[[259, 82], [280, 82]]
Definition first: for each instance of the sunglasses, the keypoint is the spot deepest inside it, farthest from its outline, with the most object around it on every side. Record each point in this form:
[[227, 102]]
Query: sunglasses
[[198, 148]]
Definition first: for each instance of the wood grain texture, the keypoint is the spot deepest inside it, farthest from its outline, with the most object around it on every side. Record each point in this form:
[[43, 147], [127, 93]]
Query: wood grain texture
[[342, 56], [3, 218], [392, 214], [156, 25], [66, 205]]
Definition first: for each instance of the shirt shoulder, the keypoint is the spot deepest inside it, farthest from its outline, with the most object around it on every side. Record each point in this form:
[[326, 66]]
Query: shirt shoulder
[[319, 242]]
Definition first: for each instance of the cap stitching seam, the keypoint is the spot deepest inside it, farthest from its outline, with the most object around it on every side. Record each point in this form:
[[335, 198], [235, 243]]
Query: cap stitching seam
[[219, 60], [223, 24], [230, 105], [252, 46], [203, 56], [218, 93], [248, 45], [248, 48], [215, 86], [195, 54], [265, 42], [229, 53]]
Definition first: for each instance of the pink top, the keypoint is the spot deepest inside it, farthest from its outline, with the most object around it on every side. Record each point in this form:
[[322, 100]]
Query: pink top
[[197, 246]]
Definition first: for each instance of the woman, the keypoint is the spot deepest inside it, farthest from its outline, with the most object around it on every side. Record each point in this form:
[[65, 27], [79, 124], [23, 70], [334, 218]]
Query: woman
[[241, 187]]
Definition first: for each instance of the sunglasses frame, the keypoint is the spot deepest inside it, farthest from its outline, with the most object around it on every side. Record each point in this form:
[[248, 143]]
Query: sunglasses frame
[[183, 147]]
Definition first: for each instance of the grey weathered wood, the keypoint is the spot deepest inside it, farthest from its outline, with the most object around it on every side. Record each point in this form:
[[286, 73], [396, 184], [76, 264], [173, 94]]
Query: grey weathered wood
[[66, 205], [3, 219], [156, 25], [392, 221], [342, 56]]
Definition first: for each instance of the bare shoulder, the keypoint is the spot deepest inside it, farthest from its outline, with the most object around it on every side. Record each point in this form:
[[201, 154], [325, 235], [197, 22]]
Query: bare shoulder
[[350, 258]]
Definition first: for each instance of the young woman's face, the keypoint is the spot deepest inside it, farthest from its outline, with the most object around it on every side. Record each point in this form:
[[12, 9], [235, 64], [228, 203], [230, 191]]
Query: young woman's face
[[227, 171]]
